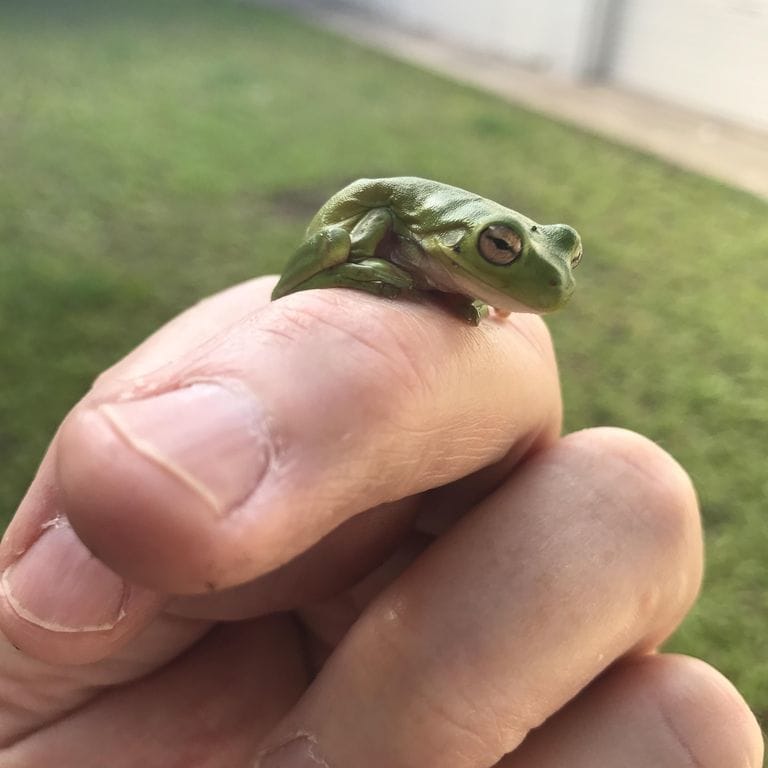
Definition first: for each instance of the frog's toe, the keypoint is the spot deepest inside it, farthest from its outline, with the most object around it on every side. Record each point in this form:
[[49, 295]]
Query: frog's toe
[[475, 311], [389, 290]]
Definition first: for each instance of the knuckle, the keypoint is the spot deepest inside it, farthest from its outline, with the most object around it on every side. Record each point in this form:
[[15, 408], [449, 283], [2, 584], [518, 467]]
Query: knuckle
[[459, 713], [668, 509], [646, 509], [653, 499]]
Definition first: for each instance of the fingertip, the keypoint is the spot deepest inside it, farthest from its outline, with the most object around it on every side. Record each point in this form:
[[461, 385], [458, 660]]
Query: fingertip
[[701, 708], [731, 729], [649, 710], [60, 604]]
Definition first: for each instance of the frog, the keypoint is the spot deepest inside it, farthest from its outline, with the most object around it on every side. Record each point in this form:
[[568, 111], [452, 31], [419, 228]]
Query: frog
[[410, 236]]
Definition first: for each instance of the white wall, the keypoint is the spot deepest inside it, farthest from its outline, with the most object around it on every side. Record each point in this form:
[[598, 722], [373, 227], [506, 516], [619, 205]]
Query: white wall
[[547, 35], [711, 55]]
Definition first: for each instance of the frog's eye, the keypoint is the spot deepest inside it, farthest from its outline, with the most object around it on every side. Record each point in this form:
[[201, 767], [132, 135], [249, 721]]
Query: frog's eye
[[500, 245], [576, 260]]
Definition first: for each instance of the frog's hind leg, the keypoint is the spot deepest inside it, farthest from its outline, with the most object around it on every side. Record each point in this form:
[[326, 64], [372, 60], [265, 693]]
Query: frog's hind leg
[[369, 232], [323, 250], [376, 276]]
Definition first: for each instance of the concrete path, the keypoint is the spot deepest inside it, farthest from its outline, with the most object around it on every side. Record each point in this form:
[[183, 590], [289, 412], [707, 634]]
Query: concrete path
[[727, 152]]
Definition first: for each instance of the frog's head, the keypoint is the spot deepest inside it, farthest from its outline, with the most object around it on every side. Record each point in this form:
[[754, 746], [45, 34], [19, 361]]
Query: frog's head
[[517, 264]]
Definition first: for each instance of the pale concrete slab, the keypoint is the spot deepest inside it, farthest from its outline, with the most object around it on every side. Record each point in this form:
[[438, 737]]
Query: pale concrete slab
[[724, 151]]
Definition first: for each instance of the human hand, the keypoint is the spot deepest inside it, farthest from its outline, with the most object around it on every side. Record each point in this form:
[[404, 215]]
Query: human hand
[[425, 574]]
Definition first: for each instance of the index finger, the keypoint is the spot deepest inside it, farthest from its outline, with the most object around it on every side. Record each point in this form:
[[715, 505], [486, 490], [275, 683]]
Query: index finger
[[244, 451]]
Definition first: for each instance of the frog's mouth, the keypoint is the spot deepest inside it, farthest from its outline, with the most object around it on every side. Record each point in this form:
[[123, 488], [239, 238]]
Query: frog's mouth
[[449, 277], [504, 303]]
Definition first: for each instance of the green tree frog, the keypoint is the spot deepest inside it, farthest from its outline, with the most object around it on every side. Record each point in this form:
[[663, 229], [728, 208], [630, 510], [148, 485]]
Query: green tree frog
[[402, 235]]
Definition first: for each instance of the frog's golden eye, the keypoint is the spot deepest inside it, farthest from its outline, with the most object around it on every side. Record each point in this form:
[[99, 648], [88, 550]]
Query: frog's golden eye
[[576, 260], [500, 245]]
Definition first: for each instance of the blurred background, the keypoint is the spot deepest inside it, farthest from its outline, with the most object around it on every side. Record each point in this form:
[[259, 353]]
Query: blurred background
[[153, 152]]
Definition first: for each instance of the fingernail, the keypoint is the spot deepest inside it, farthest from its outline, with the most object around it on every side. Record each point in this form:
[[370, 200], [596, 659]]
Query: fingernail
[[299, 753], [210, 437], [59, 585]]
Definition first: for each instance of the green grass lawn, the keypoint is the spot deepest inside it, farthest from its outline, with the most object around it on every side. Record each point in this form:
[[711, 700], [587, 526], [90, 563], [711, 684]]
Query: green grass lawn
[[153, 152]]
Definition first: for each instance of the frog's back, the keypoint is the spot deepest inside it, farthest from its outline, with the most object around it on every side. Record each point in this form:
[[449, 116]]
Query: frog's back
[[410, 198]]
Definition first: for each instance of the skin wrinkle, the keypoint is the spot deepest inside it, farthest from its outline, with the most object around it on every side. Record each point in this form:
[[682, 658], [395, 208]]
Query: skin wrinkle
[[473, 446], [16, 687], [478, 342], [103, 682], [298, 736], [398, 638], [403, 363], [408, 385], [504, 732], [14, 743], [292, 332], [314, 309], [420, 381], [539, 342], [485, 435]]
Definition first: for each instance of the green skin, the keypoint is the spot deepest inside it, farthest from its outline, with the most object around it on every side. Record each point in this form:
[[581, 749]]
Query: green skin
[[402, 235]]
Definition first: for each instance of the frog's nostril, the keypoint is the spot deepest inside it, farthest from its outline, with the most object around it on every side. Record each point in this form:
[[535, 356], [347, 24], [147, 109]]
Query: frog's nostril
[[562, 236]]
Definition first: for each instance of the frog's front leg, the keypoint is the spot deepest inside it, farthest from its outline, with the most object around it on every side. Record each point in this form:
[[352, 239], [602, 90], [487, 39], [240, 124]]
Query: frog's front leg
[[376, 276], [324, 249], [471, 310]]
